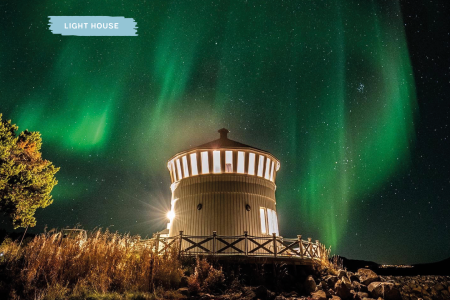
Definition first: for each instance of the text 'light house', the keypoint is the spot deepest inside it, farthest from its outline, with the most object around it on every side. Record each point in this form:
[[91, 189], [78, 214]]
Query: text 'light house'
[[223, 186]]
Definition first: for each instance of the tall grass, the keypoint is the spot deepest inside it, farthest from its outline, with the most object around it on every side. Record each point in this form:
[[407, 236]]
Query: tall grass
[[51, 266]]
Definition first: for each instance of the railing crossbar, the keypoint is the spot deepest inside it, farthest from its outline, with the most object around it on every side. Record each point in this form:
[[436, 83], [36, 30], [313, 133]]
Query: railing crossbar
[[194, 244], [260, 245], [230, 245]]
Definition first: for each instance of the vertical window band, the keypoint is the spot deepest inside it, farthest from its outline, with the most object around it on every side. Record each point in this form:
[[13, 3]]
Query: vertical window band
[[216, 161], [194, 169], [205, 163], [251, 164], [241, 161]]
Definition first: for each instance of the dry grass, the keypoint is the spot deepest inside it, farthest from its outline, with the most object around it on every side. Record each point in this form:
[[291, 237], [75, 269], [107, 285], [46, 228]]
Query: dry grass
[[53, 267]]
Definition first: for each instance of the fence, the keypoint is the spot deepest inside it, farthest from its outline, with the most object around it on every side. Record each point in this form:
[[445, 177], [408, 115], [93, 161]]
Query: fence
[[243, 245]]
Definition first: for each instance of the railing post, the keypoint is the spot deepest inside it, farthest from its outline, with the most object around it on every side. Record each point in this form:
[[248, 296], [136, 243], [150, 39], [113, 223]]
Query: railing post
[[274, 235], [310, 248], [246, 243], [181, 241], [214, 242], [318, 249], [157, 244], [300, 245]]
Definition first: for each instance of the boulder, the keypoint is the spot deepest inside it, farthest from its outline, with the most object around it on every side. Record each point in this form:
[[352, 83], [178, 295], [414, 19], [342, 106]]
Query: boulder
[[434, 293], [248, 293], [362, 295], [347, 282], [384, 290], [445, 294], [341, 274], [261, 292], [204, 296], [331, 280], [354, 295], [184, 281], [342, 290], [438, 287], [367, 276], [334, 297], [319, 295], [292, 294], [183, 291], [324, 285], [310, 284], [354, 277], [406, 288], [359, 287]]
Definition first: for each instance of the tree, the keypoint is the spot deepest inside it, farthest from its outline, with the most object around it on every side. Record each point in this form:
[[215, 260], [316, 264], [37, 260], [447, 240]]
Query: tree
[[26, 180]]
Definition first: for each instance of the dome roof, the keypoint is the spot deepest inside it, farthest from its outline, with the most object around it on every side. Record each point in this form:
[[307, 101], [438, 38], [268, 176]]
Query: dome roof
[[223, 142]]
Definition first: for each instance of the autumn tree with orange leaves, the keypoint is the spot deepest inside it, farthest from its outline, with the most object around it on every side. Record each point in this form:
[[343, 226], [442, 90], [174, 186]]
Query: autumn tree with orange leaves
[[26, 180]]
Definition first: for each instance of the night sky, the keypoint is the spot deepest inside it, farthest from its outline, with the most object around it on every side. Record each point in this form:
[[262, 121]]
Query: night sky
[[351, 96]]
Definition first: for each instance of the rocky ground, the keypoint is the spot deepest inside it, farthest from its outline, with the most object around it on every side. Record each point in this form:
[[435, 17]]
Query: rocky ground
[[362, 285], [425, 287]]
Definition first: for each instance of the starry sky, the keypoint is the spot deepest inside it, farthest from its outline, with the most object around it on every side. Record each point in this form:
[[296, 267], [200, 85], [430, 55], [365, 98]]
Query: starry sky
[[351, 96]]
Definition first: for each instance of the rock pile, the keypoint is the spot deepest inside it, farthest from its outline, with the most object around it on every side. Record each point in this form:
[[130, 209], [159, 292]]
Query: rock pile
[[367, 285], [425, 287], [343, 285]]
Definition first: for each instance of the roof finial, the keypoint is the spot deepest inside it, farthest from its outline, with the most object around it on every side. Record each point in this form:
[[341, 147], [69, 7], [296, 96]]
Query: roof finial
[[223, 133]]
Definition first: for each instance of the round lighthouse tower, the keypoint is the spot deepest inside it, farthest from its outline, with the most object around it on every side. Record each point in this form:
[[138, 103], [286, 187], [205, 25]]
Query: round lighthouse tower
[[223, 186]]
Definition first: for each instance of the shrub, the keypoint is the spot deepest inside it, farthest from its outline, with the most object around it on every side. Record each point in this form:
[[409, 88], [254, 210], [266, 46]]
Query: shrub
[[205, 278], [215, 280]]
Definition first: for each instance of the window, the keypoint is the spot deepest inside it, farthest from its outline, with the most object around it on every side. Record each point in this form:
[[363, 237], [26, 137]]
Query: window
[[275, 222], [267, 168], [260, 166], [205, 164], [173, 171], [240, 163], [271, 170], [194, 169], [229, 161], [185, 166], [179, 169], [262, 216], [270, 221], [251, 164], [216, 161]]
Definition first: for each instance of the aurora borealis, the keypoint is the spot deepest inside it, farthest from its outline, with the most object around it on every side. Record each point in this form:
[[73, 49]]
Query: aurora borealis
[[339, 91]]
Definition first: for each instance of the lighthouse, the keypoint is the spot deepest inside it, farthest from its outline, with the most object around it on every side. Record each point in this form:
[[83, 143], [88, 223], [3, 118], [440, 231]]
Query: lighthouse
[[225, 187]]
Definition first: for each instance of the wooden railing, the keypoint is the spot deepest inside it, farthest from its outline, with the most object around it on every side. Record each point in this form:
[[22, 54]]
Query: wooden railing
[[243, 245]]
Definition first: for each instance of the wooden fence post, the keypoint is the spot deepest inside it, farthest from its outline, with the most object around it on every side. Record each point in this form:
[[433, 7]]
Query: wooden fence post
[[317, 248], [310, 248], [214, 242], [300, 245], [181, 241], [157, 244], [246, 243], [274, 235]]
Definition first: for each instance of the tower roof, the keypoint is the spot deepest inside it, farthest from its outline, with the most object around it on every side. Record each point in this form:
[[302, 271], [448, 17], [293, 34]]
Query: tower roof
[[224, 142]]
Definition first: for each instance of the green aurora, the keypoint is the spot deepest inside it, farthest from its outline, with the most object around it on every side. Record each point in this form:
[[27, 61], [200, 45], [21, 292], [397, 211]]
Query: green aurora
[[326, 86]]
